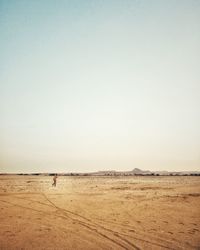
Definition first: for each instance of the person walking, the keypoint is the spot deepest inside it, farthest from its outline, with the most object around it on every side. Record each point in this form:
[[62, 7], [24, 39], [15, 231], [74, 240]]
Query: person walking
[[54, 180]]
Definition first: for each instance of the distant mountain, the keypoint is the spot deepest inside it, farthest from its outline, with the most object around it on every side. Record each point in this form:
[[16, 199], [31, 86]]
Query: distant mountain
[[140, 172], [135, 171]]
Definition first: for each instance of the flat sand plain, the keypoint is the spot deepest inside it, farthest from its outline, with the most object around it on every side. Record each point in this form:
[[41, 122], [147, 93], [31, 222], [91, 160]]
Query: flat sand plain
[[99, 212]]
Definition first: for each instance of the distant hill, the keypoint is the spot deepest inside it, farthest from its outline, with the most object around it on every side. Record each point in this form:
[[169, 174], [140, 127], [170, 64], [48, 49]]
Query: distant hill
[[134, 172], [139, 171]]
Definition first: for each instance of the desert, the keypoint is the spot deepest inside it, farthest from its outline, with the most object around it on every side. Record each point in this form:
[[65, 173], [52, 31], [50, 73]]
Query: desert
[[104, 212]]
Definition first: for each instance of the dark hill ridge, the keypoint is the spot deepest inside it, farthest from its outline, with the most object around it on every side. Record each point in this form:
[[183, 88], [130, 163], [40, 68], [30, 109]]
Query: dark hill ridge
[[134, 172], [137, 171]]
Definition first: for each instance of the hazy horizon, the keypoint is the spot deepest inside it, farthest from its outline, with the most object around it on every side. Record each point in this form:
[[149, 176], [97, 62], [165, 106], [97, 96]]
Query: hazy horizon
[[90, 172], [99, 85]]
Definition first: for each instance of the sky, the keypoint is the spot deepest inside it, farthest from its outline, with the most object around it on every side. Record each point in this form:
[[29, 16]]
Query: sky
[[89, 85]]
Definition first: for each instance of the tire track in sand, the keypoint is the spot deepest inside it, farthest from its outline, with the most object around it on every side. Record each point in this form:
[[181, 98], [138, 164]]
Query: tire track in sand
[[117, 234], [93, 226], [88, 226]]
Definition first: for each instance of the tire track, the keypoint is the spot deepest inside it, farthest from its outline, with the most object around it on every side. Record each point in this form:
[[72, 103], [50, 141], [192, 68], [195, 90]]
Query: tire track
[[117, 234], [93, 226], [75, 220], [107, 221]]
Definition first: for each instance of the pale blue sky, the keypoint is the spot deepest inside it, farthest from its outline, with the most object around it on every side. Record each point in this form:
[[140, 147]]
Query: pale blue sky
[[95, 85]]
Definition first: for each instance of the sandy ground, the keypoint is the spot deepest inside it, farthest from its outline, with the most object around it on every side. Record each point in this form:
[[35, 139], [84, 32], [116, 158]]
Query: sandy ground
[[99, 213]]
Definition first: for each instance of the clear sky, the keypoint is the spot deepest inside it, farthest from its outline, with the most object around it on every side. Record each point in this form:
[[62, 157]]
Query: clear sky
[[91, 85]]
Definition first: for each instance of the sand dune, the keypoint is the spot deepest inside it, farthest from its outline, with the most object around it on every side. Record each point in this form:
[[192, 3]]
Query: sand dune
[[99, 212]]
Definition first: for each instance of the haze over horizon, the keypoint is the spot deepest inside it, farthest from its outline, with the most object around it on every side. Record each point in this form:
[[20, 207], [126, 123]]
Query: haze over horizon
[[99, 85]]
